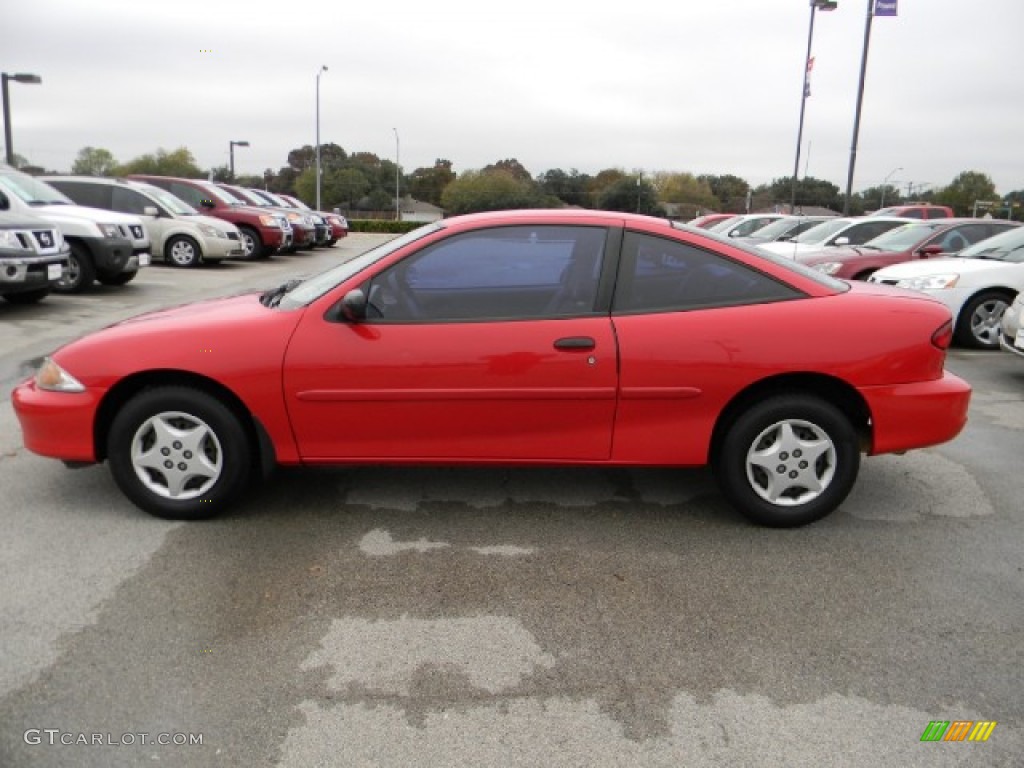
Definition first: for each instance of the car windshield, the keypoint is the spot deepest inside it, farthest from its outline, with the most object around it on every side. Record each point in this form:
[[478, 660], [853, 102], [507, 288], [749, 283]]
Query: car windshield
[[298, 203], [173, 204], [221, 194], [904, 237], [273, 199], [782, 261], [249, 197], [724, 224], [32, 191], [776, 228], [312, 289], [822, 231], [1009, 246]]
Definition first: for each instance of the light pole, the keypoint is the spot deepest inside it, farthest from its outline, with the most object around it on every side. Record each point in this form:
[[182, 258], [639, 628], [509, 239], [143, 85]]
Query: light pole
[[398, 166], [319, 72], [231, 152], [20, 77], [885, 183], [816, 5], [860, 101]]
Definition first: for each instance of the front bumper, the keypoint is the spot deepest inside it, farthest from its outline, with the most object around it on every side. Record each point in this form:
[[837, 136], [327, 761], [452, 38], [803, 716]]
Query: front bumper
[[1012, 345], [57, 424]]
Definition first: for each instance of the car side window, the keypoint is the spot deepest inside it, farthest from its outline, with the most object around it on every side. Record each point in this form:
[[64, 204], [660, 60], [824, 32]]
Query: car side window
[[859, 234], [504, 273], [92, 195], [661, 275], [128, 201], [189, 194]]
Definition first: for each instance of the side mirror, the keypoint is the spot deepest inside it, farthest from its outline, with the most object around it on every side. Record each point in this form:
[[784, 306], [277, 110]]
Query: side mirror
[[930, 250], [353, 306], [841, 241], [151, 210], [206, 204]]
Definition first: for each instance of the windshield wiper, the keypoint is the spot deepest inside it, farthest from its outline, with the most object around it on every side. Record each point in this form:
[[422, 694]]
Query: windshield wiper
[[273, 297]]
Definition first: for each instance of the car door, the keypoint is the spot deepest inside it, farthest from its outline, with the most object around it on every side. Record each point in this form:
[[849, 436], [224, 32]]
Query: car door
[[488, 345], [689, 323], [133, 202]]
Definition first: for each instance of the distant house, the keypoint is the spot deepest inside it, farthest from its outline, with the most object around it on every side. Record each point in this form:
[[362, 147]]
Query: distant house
[[417, 210]]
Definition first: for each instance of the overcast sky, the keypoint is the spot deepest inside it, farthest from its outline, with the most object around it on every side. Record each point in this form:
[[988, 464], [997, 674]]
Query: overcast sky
[[704, 86]]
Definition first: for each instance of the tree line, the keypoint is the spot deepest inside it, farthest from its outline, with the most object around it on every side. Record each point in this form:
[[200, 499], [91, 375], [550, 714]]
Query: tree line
[[362, 181]]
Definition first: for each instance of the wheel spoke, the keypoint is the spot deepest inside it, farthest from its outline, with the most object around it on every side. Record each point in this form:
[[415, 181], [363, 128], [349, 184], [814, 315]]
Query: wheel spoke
[[177, 455]]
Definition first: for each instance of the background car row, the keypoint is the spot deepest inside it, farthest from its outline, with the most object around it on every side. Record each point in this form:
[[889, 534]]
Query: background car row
[[70, 231]]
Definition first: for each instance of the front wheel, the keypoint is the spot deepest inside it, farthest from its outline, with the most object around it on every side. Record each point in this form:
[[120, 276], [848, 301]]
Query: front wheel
[[788, 461], [80, 271], [27, 297], [179, 453], [980, 318], [181, 251]]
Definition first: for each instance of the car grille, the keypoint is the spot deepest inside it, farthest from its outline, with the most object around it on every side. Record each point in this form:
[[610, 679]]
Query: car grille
[[44, 237], [282, 222]]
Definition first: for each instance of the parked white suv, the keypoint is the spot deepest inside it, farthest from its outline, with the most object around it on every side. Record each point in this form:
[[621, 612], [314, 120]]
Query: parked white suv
[[33, 257], [182, 235], [105, 246]]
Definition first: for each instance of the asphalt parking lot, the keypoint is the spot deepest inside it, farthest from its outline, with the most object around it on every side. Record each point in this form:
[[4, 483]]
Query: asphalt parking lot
[[505, 617]]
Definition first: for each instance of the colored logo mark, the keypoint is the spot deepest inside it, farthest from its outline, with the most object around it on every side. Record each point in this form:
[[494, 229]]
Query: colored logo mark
[[958, 730]]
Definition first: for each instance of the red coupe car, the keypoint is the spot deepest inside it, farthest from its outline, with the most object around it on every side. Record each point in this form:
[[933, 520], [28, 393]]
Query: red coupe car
[[514, 337]]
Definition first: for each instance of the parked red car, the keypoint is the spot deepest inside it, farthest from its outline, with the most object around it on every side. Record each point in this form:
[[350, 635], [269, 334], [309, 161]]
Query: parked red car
[[264, 232], [337, 222], [919, 240], [514, 337], [303, 228], [709, 220], [917, 211]]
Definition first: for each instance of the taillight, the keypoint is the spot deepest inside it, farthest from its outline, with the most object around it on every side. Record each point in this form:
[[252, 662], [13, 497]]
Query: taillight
[[943, 337]]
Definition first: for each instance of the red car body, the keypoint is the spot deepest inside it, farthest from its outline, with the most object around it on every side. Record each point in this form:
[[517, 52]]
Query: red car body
[[609, 383], [709, 220], [925, 240]]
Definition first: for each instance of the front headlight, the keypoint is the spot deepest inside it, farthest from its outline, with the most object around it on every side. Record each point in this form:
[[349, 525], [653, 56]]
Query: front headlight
[[9, 239], [209, 231], [268, 221], [829, 267], [53, 378], [293, 217], [929, 282], [110, 230]]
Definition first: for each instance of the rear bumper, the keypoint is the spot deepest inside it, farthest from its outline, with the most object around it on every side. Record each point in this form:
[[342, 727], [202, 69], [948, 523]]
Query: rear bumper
[[908, 416], [57, 424]]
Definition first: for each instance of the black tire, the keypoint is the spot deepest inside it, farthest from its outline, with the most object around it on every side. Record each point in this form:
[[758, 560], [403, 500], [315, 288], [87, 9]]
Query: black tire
[[118, 278], [27, 297], [253, 243], [209, 442], [80, 271], [809, 440], [182, 251], [978, 324]]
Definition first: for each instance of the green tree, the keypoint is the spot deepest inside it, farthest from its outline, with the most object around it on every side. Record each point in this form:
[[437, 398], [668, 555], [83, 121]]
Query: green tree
[[163, 163], [342, 188], [604, 180], [494, 191], [965, 190], [512, 167], [631, 194], [809, 192], [571, 188], [683, 188], [93, 161], [730, 191], [428, 184]]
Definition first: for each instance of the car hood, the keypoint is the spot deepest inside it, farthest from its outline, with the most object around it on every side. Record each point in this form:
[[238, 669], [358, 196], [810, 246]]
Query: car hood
[[219, 224], [791, 249], [940, 267]]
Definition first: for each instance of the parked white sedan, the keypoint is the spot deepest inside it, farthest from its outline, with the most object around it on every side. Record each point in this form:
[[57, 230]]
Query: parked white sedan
[[839, 231], [977, 286], [1011, 337]]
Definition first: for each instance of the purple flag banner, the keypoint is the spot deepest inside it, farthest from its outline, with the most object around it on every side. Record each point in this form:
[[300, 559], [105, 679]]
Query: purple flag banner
[[886, 7]]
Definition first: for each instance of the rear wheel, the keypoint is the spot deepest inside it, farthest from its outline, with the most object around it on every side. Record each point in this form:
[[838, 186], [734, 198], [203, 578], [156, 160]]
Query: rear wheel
[[181, 251], [80, 271], [179, 453], [788, 461], [978, 325]]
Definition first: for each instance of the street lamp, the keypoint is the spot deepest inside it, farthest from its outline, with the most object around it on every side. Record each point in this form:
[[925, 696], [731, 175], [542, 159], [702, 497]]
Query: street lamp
[[20, 77], [816, 5], [398, 166], [319, 72], [231, 152], [885, 183]]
